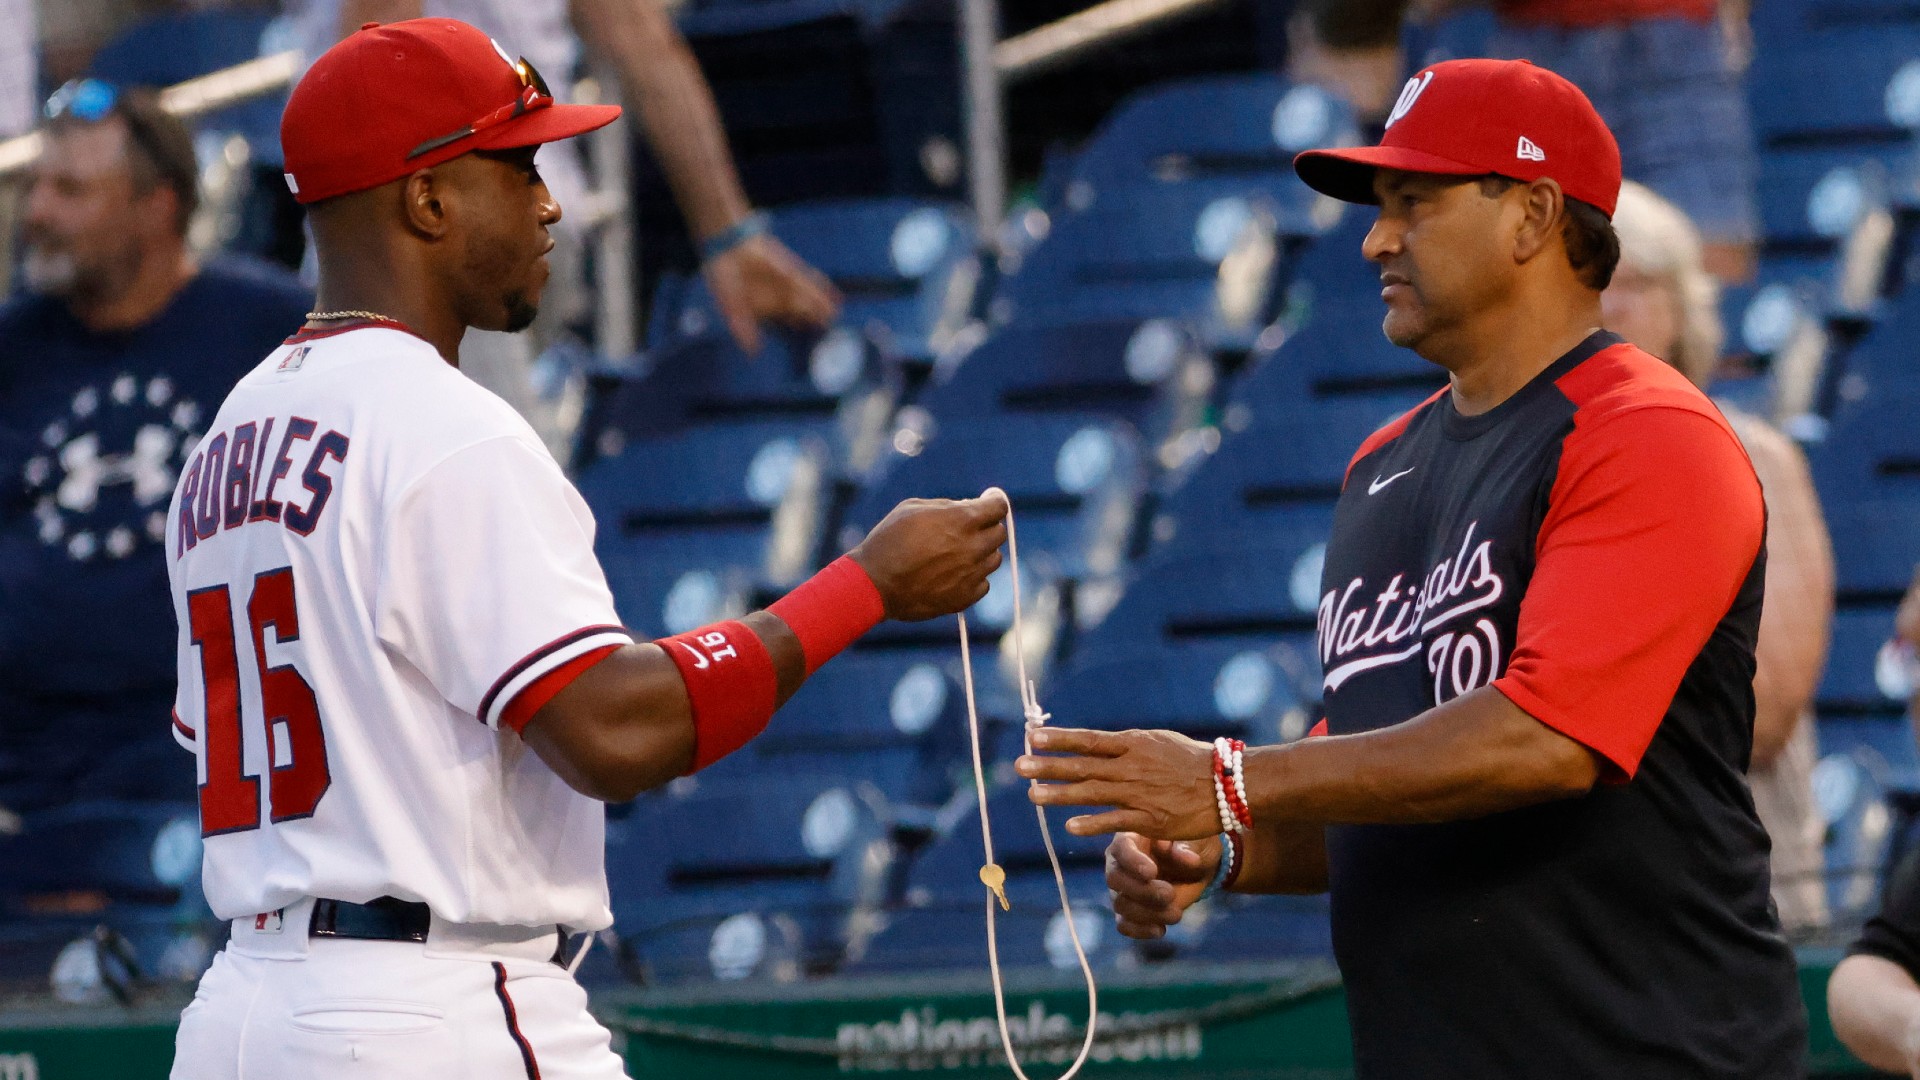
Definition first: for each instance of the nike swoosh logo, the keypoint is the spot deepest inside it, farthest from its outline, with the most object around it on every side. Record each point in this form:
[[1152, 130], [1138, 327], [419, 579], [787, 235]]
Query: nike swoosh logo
[[699, 662], [1379, 484]]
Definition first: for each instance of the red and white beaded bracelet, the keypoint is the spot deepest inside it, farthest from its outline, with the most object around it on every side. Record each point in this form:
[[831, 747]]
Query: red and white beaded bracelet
[[1230, 786]]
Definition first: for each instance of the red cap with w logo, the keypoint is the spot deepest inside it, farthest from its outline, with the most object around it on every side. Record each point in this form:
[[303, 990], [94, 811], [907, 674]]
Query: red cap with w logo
[[1474, 117]]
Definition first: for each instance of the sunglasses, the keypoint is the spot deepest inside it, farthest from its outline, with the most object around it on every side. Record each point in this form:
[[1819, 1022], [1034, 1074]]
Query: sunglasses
[[90, 100], [533, 95]]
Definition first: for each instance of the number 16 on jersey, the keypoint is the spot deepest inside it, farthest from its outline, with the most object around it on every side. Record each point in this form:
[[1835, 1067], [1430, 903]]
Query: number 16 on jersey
[[296, 745]]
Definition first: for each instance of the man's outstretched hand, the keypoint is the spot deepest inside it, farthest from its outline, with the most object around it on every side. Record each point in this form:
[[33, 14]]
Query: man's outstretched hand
[[931, 557], [1154, 882], [1159, 783], [760, 280]]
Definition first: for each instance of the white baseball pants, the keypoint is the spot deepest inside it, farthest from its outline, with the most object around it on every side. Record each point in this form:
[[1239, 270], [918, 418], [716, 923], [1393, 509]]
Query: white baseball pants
[[284, 1006]]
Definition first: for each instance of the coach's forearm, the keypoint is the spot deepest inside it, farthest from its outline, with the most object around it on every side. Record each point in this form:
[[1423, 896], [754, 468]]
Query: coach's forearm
[[1875, 1008], [1284, 857], [1476, 755]]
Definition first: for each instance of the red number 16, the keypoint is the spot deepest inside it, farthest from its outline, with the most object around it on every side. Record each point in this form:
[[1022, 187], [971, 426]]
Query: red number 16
[[297, 773]]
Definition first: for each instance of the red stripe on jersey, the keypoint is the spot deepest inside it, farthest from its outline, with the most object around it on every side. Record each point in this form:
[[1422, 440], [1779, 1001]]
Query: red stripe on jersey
[[1318, 729], [183, 728], [537, 655], [1385, 435], [1654, 523], [542, 690]]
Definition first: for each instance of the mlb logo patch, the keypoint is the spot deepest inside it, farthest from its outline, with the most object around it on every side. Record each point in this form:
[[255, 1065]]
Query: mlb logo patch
[[267, 922], [293, 360]]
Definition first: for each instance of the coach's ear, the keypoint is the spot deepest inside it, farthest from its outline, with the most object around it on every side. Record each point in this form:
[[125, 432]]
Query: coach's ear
[[1543, 217]]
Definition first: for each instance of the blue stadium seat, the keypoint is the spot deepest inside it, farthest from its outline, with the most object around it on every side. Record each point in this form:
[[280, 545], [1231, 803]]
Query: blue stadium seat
[[1876, 545], [907, 268], [1851, 685], [1074, 484], [703, 502], [942, 923], [1152, 373], [1241, 129], [1263, 582], [126, 870], [1207, 252], [893, 718], [1837, 85], [173, 47], [1871, 452], [1812, 197], [759, 877], [1252, 687], [1234, 928]]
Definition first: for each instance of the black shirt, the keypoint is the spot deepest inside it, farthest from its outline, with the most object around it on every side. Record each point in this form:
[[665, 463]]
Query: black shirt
[[1593, 548], [1894, 933]]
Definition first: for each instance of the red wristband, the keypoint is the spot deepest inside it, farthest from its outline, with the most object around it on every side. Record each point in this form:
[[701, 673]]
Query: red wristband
[[731, 684], [830, 610]]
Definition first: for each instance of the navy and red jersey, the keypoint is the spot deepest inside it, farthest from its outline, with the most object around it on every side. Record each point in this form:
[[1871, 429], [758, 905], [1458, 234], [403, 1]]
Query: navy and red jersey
[[1593, 548]]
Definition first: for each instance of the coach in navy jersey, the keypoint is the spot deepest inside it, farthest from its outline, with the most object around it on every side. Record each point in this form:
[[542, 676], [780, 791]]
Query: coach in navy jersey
[[1537, 625]]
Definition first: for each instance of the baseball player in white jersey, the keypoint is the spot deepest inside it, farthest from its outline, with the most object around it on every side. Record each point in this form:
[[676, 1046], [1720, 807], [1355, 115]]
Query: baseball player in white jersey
[[400, 667]]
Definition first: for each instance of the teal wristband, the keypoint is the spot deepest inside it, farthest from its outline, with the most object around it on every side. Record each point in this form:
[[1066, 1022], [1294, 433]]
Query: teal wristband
[[1226, 866], [754, 224]]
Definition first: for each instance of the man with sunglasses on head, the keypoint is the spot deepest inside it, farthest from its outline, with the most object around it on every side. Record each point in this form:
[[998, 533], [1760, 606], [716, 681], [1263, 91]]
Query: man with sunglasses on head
[[400, 667], [112, 360]]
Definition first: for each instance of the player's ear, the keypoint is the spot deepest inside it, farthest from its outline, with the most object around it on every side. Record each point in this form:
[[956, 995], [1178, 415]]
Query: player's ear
[[422, 201], [1543, 210]]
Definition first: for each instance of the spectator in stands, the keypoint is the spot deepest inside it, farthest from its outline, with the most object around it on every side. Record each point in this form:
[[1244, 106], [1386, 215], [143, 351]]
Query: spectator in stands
[[1663, 300], [753, 276], [1666, 75], [118, 351], [19, 95], [1873, 999]]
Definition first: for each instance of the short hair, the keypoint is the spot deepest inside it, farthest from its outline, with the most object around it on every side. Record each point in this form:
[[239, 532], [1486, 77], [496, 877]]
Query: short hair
[[1657, 239], [1593, 248], [159, 149]]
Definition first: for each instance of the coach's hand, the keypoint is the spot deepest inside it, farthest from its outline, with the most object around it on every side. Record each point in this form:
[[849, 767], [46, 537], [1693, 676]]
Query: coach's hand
[[931, 557], [1159, 783], [1154, 882]]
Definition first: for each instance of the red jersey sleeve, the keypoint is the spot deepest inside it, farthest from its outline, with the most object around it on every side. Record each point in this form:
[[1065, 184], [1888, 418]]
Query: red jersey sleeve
[[1653, 525]]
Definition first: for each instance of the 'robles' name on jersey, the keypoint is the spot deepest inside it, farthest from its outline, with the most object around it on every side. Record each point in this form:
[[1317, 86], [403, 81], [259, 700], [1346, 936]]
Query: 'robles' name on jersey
[[230, 483]]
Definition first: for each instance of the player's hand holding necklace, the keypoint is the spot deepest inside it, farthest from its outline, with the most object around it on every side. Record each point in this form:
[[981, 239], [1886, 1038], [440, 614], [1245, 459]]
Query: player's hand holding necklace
[[1160, 784], [931, 557]]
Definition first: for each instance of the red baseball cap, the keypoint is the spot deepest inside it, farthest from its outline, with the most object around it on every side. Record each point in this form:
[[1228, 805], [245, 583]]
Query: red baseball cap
[[1473, 117], [391, 99]]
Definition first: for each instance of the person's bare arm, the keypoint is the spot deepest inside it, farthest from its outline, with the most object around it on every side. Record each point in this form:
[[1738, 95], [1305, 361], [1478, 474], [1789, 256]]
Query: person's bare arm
[[1798, 615], [758, 278], [355, 14], [625, 725], [1874, 1005], [1476, 755]]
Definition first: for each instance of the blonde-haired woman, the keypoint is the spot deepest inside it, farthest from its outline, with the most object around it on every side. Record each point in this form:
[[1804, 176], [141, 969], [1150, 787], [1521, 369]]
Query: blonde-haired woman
[[1663, 300]]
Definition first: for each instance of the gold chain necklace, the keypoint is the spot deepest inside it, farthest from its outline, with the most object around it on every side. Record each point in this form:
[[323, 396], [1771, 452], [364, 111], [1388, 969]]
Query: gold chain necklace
[[323, 316]]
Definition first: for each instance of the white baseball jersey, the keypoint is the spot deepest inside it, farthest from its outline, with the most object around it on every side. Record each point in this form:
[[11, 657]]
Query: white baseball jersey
[[379, 573]]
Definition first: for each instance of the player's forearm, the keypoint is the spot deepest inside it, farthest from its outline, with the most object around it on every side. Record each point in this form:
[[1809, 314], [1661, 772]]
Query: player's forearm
[[1875, 1008], [626, 725], [664, 85], [1476, 755], [1284, 857]]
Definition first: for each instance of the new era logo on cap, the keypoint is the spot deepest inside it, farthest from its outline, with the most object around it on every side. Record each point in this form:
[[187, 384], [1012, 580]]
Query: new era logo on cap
[[1475, 117]]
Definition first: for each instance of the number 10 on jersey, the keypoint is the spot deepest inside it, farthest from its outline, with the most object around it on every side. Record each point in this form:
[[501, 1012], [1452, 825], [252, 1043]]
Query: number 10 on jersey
[[297, 774]]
